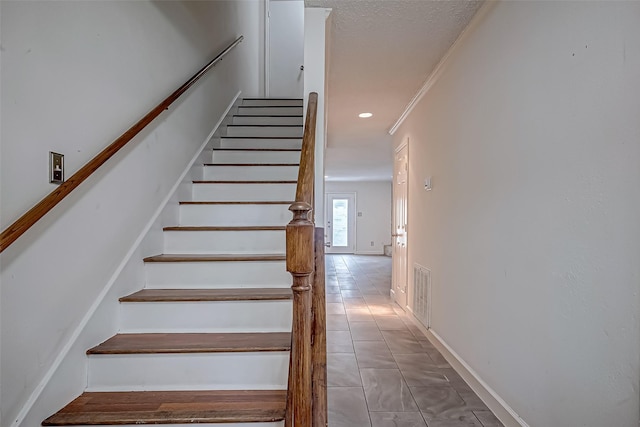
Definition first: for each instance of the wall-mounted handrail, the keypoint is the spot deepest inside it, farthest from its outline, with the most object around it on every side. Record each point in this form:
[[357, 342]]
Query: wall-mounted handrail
[[301, 265], [33, 215]]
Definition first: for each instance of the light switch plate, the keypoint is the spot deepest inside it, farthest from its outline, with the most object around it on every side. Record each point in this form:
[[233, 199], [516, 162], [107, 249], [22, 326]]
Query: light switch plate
[[56, 168], [427, 183]]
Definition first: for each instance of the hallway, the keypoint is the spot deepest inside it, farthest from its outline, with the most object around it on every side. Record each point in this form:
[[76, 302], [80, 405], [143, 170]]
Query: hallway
[[382, 371]]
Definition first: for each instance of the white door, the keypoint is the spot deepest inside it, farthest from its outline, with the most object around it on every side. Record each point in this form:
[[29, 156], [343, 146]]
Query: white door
[[340, 217], [285, 49], [400, 195]]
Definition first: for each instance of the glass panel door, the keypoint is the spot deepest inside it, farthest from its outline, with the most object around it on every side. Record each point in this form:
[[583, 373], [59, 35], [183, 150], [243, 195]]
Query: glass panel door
[[340, 214], [340, 227]]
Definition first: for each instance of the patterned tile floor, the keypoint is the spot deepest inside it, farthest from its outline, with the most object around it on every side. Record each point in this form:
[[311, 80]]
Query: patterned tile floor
[[382, 371]]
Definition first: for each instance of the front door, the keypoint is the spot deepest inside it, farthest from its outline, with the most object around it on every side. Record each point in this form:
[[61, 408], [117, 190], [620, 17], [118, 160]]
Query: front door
[[340, 217], [399, 252]]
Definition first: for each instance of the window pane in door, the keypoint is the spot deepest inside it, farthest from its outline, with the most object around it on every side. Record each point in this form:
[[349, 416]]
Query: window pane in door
[[340, 223]]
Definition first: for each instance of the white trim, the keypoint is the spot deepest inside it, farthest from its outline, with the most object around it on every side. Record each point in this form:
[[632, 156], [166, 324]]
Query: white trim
[[368, 253], [498, 406], [267, 48], [437, 72], [96, 304], [399, 148]]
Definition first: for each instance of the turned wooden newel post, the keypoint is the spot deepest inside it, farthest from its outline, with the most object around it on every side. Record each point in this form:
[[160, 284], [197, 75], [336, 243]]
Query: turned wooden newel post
[[300, 263]]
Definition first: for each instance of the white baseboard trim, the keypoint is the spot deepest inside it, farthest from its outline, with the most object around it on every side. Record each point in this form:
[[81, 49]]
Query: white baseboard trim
[[33, 398], [368, 253], [498, 406]]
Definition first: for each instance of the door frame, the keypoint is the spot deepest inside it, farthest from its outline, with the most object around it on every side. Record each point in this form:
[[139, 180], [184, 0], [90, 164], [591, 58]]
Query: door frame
[[352, 221], [399, 148]]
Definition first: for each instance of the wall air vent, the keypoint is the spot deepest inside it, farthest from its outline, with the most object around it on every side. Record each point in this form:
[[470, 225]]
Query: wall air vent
[[422, 294]]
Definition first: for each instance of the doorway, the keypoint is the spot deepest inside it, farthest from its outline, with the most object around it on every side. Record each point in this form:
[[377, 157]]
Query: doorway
[[399, 236], [340, 218], [285, 49]]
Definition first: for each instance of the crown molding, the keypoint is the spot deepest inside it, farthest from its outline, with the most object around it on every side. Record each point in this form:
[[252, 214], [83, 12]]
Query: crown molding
[[437, 72]]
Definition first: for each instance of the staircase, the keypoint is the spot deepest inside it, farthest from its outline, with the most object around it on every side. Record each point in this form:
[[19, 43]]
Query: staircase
[[207, 340]]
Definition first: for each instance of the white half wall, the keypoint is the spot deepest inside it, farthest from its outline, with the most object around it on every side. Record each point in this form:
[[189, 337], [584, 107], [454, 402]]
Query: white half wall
[[373, 200], [532, 230], [75, 75]]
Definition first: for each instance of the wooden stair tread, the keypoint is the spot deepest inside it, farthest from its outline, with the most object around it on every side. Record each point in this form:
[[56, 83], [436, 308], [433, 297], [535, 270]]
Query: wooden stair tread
[[193, 343], [261, 137], [268, 115], [245, 182], [251, 164], [257, 149], [235, 294], [238, 202], [272, 99], [266, 126], [172, 407], [213, 258], [231, 228]]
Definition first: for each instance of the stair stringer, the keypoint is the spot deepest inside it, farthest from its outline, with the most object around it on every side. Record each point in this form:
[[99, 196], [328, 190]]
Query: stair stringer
[[68, 375]]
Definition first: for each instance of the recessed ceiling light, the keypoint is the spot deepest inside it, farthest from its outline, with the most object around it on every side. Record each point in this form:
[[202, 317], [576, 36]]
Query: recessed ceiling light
[[365, 115]]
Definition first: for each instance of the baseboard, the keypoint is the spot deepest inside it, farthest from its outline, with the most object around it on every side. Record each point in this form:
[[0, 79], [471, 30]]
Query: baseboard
[[498, 406], [368, 253], [35, 395]]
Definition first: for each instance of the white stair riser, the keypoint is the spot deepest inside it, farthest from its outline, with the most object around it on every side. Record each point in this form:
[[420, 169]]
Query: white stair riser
[[267, 120], [250, 131], [188, 371], [234, 215], [219, 157], [256, 173], [243, 192], [207, 316], [261, 143], [272, 102], [221, 274], [225, 242], [270, 111]]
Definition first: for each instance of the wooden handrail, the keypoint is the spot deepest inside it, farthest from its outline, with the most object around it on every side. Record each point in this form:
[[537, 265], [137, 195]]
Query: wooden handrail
[[33, 215], [301, 265], [306, 175]]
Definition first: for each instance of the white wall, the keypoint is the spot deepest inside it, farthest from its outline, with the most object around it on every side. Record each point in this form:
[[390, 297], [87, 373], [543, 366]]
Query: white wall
[[373, 199], [532, 228], [75, 75], [315, 72]]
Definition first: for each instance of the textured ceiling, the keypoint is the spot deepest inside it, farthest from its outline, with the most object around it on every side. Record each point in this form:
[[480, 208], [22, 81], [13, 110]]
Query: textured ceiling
[[380, 54]]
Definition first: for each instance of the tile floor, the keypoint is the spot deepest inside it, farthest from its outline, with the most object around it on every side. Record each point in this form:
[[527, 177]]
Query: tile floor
[[382, 371]]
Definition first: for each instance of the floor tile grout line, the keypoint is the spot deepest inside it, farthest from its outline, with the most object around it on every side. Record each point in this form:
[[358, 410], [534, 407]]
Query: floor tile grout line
[[353, 267]]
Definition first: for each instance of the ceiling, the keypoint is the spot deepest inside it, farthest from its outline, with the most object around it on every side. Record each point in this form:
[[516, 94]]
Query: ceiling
[[380, 54]]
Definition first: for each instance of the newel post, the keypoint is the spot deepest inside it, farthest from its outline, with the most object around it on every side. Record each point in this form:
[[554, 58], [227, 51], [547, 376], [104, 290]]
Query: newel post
[[300, 263]]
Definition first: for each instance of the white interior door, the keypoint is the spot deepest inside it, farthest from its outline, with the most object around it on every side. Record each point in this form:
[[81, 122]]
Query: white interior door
[[340, 218], [285, 49], [399, 252]]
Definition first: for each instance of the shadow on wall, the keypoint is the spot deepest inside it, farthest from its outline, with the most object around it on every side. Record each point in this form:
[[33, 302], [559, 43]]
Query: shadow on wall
[[192, 18]]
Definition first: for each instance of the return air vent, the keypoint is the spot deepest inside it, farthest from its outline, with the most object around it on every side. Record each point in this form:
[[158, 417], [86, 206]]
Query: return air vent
[[422, 294]]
